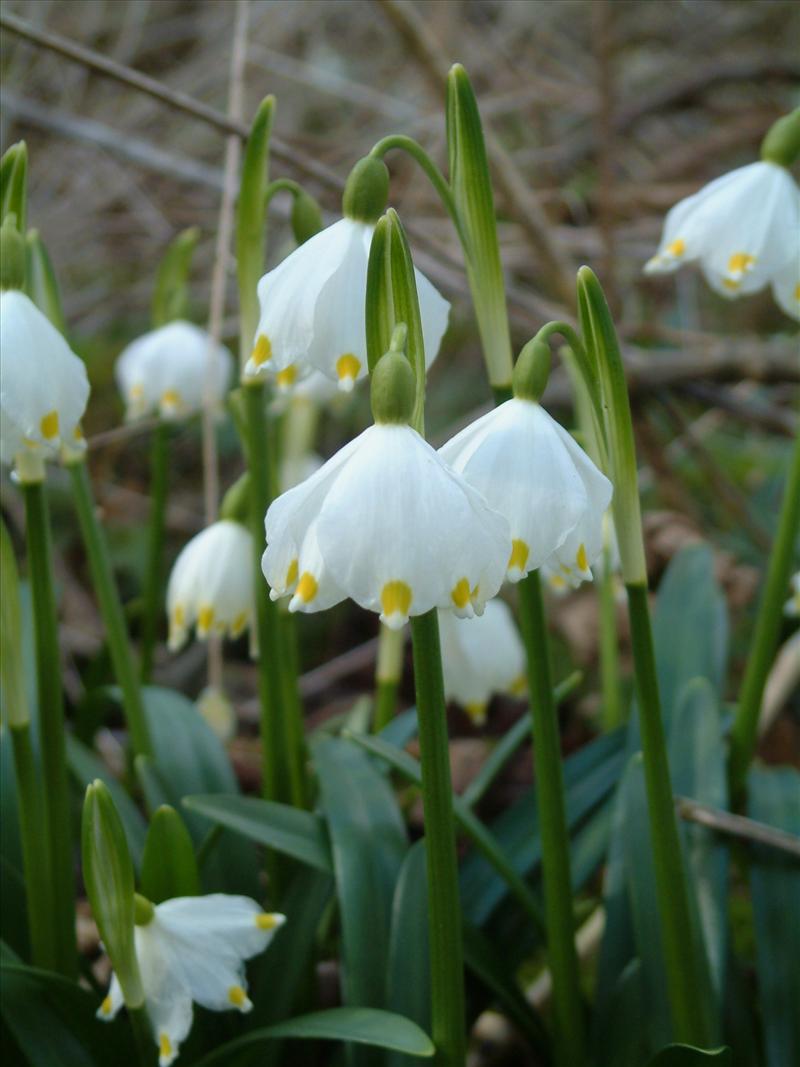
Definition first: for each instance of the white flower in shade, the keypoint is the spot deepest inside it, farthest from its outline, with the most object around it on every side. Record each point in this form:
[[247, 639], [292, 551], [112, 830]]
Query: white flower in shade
[[786, 290], [530, 470], [744, 228], [388, 524], [193, 949], [295, 469], [165, 370], [44, 388], [211, 584], [792, 605], [481, 656], [312, 309]]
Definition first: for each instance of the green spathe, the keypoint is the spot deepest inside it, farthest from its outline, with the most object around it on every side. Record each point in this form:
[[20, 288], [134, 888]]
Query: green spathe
[[393, 389], [13, 182], [12, 255], [171, 292], [367, 190], [306, 217], [236, 502], [532, 370], [782, 142]]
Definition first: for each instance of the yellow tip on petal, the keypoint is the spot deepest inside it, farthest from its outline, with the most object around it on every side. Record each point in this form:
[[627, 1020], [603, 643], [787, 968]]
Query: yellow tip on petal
[[262, 353], [170, 399], [105, 1007], [476, 712], [740, 263], [676, 248], [518, 558], [582, 559], [238, 625], [164, 1047], [347, 368], [797, 291], [205, 620], [731, 284], [519, 685], [286, 378], [49, 425], [238, 997], [291, 574], [307, 587], [136, 391], [268, 920], [396, 599], [461, 593]]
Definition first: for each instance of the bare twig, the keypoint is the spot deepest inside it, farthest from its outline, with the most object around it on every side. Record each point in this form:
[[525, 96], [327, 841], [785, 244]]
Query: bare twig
[[737, 826]]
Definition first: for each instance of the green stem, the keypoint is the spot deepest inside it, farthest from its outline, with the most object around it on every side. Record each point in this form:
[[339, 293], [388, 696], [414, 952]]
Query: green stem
[[51, 728], [681, 951], [111, 609], [281, 185], [444, 910], [501, 393], [281, 741], [388, 672], [385, 705], [559, 917], [35, 858], [744, 732], [295, 733], [142, 1036], [609, 648], [432, 172], [153, 577]]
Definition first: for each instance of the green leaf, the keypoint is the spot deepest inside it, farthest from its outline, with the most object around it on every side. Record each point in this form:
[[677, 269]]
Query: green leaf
[[41, 283], [171, 293], [364, 1026], [294, 832], [13, 184], [53, 1020], [618, 1035], [368, 841], [169, 867], [774, 798], [251, 222], [14, 913], [409, 979], [689, 1056]]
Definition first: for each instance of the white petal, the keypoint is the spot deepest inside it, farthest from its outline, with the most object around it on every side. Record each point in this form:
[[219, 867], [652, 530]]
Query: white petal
[[434, 313], [786, 288], [112, 1001], [167, 998], [226, 925], [480, 656]]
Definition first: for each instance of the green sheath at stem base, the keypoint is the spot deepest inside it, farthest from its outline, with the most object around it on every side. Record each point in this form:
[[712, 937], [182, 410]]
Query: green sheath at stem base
[[570, 1040], [444, 909], [51, 728]]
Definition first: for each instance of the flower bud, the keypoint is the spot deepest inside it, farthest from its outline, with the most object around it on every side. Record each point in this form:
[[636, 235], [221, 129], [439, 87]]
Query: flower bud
[[782, 142], [532, 370], [12, 255], [393, 389], [367, 190], [169, 867], [306, 217], [236, 502]]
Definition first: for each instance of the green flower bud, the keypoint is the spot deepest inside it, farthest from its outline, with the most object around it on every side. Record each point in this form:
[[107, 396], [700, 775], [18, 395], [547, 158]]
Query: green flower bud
[[306, 217], [532, 370], [236, 502], [393, 389], [782, 143], [143, 910], [108, 875], [367, 190], [12, 255], [169, 867]]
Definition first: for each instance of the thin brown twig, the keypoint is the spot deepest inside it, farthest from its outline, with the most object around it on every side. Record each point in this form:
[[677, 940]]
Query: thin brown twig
[[725, 822]]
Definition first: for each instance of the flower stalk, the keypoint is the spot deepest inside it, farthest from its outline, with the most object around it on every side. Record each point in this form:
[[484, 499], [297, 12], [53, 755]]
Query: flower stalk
[[388, 672], [153, 576]]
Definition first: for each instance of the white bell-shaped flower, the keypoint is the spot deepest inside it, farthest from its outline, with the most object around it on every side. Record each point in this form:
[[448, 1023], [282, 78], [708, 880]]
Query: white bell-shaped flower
[[388, 524], [296, 469], [744, 228], [530, 470], [44, 388], [312, 309], [165, 371], [786, 289], [211, 584], [193, 949], [481, 656], [792, 605]]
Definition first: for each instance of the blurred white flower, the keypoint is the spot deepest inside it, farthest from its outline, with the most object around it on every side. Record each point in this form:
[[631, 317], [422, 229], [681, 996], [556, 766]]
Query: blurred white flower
[[215, 707], [481, 656], [211, 584], [193, 949], [744, 228], [786, 290], [295, 469], [792, 605], [312, 309], [531, 471], [164, 371], [44, 388], [388, 524]]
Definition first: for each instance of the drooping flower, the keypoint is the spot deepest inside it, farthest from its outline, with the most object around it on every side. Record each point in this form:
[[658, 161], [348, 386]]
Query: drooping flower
[[44, 388], [193, 949], [786, 290], [792, 605], [743, 228], [388, 524], [211, 586], [312, 309], [165, 370], [481, 656], [530, 470]]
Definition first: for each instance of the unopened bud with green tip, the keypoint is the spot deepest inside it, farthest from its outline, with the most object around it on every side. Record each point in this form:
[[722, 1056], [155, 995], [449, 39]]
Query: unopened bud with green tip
[[169, 866], [306, 217], [12, 255], [782, 142], [393, 389], [236, 502], [532, 370], [366, 192], [108, 876]]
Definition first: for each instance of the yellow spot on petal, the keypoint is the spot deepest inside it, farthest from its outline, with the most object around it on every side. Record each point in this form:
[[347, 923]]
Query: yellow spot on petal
[[519, 685], [476, 712], [266, 921], [519, 555], [729, 283], [77, 433], [797, 291], [262, 353], [348, 366], [171, 398], [179, 615], [49, 425], [291, 574], [556, 581], [286, 377], [205, 619], [461, 593], [307, 587], [396, 598], [238, 624], [237, 996], [740, 262], [136, 392], [105, 1007], [164, 1046], [676, 248], [582, 559]]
